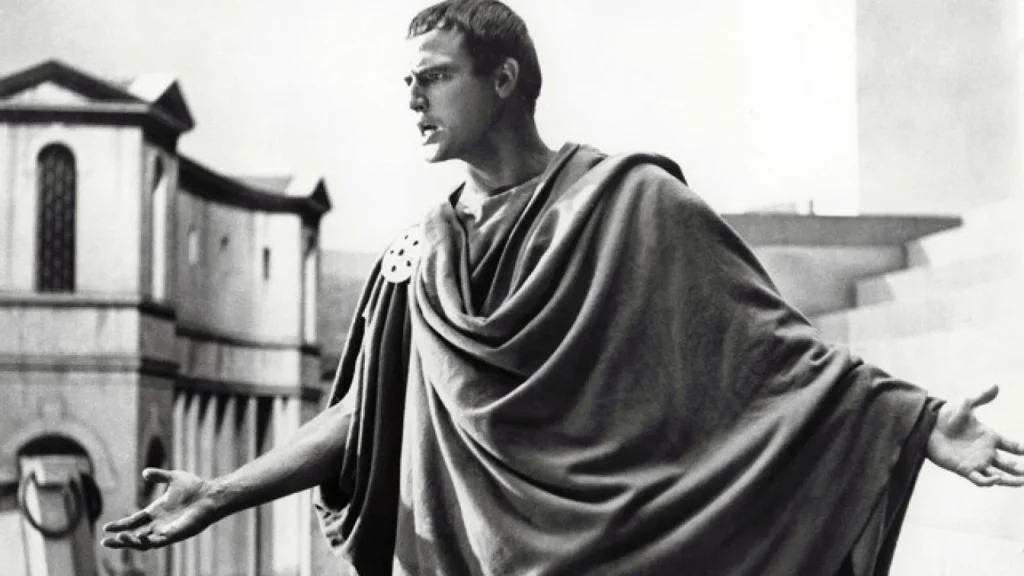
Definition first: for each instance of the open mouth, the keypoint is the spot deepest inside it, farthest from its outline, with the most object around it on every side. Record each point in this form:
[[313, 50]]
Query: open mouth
[[427, 129]]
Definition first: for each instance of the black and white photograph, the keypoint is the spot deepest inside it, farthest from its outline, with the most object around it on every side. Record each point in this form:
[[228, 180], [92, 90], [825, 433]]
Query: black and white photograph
[[517, 287]]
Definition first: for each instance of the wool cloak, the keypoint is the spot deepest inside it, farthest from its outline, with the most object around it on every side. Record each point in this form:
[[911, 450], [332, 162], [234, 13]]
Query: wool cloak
[[604, 380]]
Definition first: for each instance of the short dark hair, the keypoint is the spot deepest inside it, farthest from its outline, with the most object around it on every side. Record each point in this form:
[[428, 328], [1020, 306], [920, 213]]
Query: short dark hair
[[492, 32]]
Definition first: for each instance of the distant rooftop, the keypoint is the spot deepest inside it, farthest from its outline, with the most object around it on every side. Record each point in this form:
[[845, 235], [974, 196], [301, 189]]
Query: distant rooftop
[[156, 95]]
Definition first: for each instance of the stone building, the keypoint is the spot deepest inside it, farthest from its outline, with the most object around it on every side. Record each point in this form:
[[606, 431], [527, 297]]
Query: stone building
[[152, 313]]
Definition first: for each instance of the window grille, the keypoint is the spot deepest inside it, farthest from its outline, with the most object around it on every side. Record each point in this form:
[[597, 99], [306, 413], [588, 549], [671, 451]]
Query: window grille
[[55, 243]]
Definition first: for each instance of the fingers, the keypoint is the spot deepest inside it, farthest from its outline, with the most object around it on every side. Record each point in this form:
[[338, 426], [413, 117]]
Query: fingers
[[145, 537], [992, 476], [129, 522], [122, 540], [112, 542], [980, 478], [144, 541], [1011, 446], [1008, 465], [985, 397], [1004, 479], [143, 516]]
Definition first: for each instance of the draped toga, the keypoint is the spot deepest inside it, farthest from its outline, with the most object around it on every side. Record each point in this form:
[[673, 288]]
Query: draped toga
[[591, 373]]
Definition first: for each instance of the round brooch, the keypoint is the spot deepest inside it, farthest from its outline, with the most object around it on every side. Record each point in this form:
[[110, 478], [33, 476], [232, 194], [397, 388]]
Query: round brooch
[[402, 256]]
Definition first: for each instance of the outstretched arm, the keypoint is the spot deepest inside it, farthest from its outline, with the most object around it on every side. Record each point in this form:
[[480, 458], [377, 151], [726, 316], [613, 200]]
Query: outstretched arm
[[962, 444], [190, 504]]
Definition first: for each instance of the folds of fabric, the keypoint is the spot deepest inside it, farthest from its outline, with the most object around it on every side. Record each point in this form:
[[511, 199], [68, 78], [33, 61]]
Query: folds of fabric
[[358, 511], [612, 385]]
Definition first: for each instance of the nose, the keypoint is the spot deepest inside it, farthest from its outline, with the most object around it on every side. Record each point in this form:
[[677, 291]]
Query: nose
[[417, 100]]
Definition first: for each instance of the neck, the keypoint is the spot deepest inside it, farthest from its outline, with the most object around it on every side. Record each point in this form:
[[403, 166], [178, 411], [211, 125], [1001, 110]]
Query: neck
[[513, 153]]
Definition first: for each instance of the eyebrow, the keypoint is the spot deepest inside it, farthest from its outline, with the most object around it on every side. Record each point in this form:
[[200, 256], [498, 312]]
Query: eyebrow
[[426, 70]]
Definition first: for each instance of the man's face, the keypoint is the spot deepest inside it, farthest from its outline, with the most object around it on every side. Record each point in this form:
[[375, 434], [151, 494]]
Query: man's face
[[454, 107]]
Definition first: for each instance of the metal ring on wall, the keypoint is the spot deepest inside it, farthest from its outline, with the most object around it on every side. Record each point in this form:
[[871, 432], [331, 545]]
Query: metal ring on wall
[[74, 507]]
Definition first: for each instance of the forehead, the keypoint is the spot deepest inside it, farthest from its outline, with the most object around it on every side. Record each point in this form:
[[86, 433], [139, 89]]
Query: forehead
[[436, 47]]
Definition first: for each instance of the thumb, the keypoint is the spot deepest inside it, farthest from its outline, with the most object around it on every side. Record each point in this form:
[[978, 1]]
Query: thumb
[[985, 397], [157, 475]]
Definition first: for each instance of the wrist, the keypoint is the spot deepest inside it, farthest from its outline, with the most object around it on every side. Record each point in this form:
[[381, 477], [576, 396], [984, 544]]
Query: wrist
[[219, 498]]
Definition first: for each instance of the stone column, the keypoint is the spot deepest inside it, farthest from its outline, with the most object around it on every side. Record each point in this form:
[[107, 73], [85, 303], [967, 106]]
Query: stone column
[[225, 541], [247, 449], [290, 536], [266, 514], [206, 458], [190, 566], [178, 461]]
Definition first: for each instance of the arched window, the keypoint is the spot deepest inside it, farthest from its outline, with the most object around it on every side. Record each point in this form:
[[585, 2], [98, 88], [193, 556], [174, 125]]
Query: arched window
[[55, 240], [51, 444]]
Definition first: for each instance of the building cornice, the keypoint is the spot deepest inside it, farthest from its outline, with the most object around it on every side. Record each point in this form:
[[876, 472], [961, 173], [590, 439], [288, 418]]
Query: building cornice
[[87, 300], [154, 309], [200, 181], [152, 120], [205, 334], [164, 369], [772, 229], [212, 386], [102, 96], [89, 363]]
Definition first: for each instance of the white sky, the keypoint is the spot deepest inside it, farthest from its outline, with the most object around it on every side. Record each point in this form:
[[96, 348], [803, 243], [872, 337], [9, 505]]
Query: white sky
[[755, 100]]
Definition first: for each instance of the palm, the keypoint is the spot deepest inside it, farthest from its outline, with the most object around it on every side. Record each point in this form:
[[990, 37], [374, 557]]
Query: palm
[[962, 444], [179, 513]]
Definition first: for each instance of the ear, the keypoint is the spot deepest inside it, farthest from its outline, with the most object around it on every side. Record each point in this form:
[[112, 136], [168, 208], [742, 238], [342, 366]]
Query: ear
[[506, 78]]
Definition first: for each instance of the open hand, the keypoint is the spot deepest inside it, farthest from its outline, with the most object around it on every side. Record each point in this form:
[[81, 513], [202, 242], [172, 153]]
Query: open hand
[[962, 444], [183, 510]]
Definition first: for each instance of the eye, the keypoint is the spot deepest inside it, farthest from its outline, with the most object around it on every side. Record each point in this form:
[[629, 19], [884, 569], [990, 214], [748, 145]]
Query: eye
[[435, 76]]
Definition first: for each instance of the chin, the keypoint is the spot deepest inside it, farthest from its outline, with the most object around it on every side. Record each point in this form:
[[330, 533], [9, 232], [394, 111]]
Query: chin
[[435, 154]]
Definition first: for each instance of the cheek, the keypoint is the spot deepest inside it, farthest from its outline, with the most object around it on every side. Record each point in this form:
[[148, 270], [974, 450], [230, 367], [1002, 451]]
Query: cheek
[[478, 115], [470, 108]]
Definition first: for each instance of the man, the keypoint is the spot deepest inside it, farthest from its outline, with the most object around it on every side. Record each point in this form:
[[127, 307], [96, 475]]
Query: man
[[575, 367]]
